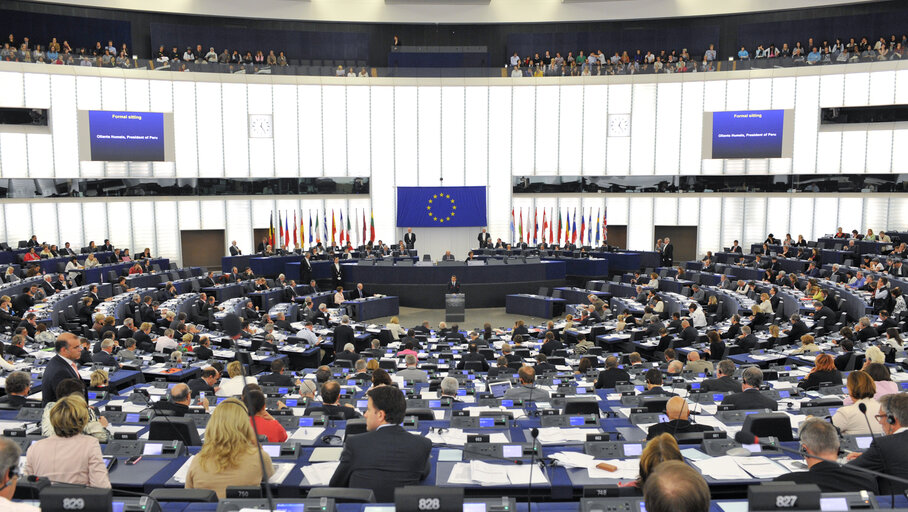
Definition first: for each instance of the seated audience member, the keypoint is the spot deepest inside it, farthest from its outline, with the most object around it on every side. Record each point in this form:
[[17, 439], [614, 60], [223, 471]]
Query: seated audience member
[[526, 390], [659, 449], [205, 383], [882, 381], [412, 373], [95, 426], [888, 454], [819, 439], [676, 487], [10, 454], [233, 386], [99, 380], [387, 456], [849, 419], [263, 423], [750, 396], [448, 388], [18, 385], [277, 377], [68, 455], [230, 454], [473, 355], [653, 382], [330, 405], [678, 423], [808, 346], [542, 364], [611, 375], [823, 373], [697, 365]]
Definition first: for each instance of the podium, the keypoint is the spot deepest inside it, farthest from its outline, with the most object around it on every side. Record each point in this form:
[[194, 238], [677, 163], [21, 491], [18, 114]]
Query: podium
[[455, 304]]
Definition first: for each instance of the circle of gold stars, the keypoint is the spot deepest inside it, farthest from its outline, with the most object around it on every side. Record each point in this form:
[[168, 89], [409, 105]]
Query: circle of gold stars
[[441, 202]]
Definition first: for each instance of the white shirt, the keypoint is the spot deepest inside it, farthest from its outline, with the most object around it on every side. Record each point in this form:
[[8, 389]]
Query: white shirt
[[12, 506], [234, 385], [164, 342], [698, 318], [308, 335]]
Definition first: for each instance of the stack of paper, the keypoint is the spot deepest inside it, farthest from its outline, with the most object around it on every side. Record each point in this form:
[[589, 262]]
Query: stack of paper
[[280, 472], [760, 467], [557, 435], [486, 474], [721, 468], [573, 459], [306, 434], [319, 474], [457, 437]]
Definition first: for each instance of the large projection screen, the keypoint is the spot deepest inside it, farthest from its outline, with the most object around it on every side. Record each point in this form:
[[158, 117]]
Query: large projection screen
[[125, 136], [748, 134]]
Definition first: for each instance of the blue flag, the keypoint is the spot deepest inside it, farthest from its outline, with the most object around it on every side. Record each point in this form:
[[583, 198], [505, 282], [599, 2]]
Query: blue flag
[[441, 206]]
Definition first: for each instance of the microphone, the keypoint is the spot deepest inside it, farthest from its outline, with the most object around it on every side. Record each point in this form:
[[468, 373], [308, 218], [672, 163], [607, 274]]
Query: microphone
[[534, 433], [863, 408]]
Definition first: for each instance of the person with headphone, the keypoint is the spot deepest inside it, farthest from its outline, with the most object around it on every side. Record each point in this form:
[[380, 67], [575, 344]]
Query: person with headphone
[[9, 477], [678, 414], [889, 453]]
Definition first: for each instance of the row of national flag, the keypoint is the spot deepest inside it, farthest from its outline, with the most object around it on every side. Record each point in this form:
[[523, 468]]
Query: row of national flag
[[550, 231], [344, 230]]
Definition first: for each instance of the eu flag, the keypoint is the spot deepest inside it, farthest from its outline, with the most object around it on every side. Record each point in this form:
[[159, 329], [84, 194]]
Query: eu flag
[[441, 207]]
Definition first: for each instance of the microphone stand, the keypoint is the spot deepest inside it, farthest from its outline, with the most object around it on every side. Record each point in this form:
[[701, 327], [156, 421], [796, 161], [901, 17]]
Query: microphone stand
[[863, 408]]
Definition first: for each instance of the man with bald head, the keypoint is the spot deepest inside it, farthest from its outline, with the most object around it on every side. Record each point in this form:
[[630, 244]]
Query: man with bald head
[[697, 365], [527, 389], [678, 413], [64, 365], [179, 402]]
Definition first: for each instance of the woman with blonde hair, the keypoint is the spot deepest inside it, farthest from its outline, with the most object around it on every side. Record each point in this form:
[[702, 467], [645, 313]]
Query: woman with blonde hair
[[230, 454], [372, 365], [99, 380], [395, 328], [233, 386], [69, 455]]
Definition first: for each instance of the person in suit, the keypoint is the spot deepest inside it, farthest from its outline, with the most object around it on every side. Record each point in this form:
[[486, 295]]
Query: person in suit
[[18, 386], [818, 438], [25, 300], [412, 372], [260, 248], [306, 268], [453, 285], [330, 406], [668, 253], [203, 350], [447, 256], [842, 360], [526, 389], [484, 239], [62, 366], [410, 239], [678, 414], [542, 364], [337, 276], [611, 375], [823, 372], [386, 456], [234, 250], [724, 381], [473, 355], [889, 453], [277, 377], [550, 344], [205, 383], [653, 383], [343, 333], [864, 330], [798, 328], [750, 396], [746, 341], [105, 355], [688, 335], [359, 292]]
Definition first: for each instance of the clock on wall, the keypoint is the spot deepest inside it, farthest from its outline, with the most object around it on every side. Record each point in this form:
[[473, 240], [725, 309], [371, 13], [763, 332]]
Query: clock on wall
[[260, 126], [619, 125]]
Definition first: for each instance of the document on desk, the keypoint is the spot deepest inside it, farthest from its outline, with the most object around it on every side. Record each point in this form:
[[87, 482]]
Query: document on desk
[[760, 467], [457, 437], [326, 454], [180, 475], [526, 474], [573, 459], [319, 474], [306, 434], [555, 435], [281, 471], [721, 468]]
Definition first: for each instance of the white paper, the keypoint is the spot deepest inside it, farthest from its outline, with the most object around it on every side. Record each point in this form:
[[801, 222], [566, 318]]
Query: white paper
[[573, 459], [722, 468], [306, 434], [319, 474], [760, 467], [556, 435], [180, 475], [485, 473], [526, 474], [461, 474], [280, 472]]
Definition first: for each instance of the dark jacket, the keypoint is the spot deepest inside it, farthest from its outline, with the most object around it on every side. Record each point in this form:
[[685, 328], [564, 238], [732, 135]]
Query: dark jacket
[[383, 460], [813, 380], [722, 384], [750, 399], [676, 427], [832, 478], [888, 454], [608, 378], [104, 358], [473, 356], [276, 379], [343, 334], [334, 412], [56, 370]]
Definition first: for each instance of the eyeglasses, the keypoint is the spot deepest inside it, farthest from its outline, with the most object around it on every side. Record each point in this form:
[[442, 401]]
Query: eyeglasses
[[880, 417]]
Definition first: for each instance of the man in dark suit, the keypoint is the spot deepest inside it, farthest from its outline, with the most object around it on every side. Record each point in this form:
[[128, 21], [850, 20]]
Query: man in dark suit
[[330, 393], [864, 330], [178, 404], [447, 256], [337, 276], [819, 438], [889, 453], [798, 329], [105, 355], [688, 335], [611, 375], [205, 383], [277, 377], [359, 292], [724, 380], [473, 355], [823, 316], [203, 350], [750, 396], [234, 250], [678, 420], [410, 239], [746, 341], [343, 333], [844, 359], [305, 268], [653, 383], [453, 285], [25, 300], [249, 313], [260, 248], [423, 329], [18, 386], [668, 253], [484, 239], [550, 345], [387, 456], [62, 366]]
